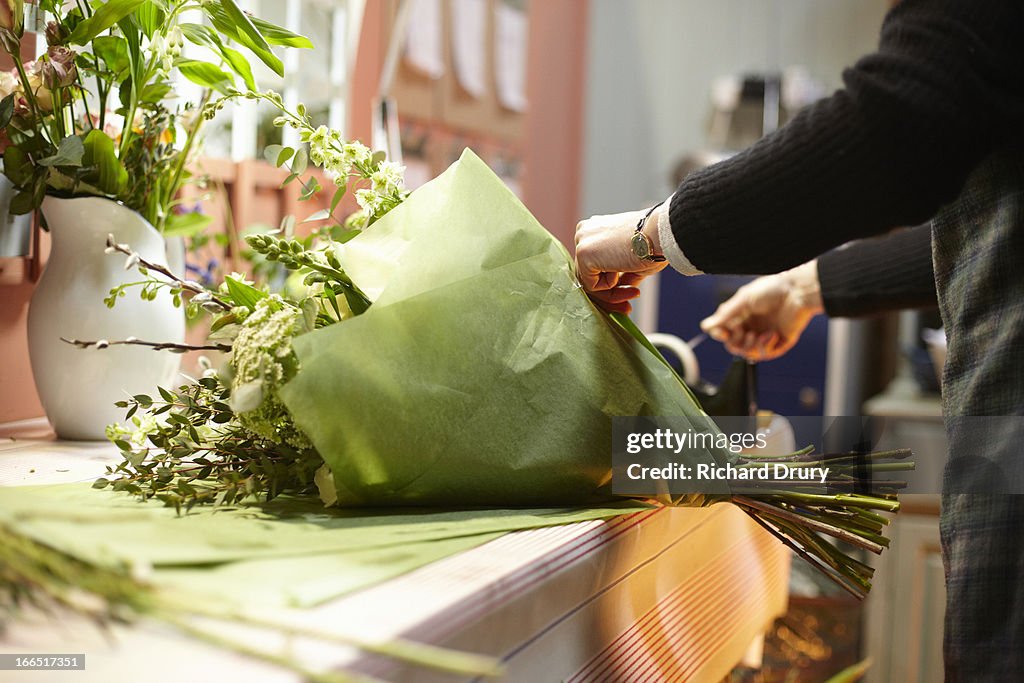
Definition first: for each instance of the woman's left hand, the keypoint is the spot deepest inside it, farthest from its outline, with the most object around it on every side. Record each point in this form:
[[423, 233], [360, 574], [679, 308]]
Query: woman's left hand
[[608, 269]]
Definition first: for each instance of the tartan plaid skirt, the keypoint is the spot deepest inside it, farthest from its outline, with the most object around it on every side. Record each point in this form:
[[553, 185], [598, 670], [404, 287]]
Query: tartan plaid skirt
[[978, 252]]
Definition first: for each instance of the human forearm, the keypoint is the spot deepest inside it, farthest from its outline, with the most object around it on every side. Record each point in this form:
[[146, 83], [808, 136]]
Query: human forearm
[[886, 151], [877, 275]]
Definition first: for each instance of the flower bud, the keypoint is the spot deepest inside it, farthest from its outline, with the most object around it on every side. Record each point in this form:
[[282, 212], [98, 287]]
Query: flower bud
[[12, 16], [59, 70], [55, 33]]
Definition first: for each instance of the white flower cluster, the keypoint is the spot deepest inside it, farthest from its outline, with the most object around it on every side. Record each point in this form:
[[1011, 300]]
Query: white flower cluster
[[263, 360], [167, 49], [329, 150]]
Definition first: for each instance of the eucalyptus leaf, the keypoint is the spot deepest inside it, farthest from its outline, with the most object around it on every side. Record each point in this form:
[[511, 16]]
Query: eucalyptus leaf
[[339, 194], [321, 215], [301, 162], [271, 153], [286, 154]]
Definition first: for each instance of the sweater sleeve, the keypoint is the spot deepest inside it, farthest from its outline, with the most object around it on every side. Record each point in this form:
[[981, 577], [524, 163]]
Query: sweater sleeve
[[880, 274], [942, 91]]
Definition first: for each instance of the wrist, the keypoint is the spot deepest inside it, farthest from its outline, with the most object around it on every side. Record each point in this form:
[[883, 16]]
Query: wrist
[[650, 229], [805, 287]]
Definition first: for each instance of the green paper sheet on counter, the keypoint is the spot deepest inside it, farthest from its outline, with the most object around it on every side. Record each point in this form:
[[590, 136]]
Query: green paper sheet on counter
[[482, 374], [289, 552]]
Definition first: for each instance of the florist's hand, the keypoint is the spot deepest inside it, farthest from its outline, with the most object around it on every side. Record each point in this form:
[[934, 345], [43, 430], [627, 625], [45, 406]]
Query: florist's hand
[[605, 263], [765, 318]]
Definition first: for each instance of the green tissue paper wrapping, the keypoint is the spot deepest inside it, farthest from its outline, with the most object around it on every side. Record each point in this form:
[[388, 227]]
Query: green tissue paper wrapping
[[482, 374]]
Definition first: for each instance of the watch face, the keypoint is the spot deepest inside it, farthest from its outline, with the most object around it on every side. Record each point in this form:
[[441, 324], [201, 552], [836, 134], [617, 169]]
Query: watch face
[[641, 247]]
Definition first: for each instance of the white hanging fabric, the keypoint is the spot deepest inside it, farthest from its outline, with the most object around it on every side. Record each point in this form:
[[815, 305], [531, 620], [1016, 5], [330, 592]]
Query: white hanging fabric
[[511, 38], [424, 50], [469, 45]]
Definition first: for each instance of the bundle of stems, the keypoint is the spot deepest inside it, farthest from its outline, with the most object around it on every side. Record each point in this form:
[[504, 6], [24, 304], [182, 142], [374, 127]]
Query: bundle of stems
[[800, 519], [845, 506], [34, 575]]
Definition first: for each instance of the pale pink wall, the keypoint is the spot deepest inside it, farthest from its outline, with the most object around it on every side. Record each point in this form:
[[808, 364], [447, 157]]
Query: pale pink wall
[[556, 73], [553, 152], [18, 398]]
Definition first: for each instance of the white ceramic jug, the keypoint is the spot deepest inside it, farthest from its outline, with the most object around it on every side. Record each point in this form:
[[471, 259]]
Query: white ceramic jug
[[78, 387]]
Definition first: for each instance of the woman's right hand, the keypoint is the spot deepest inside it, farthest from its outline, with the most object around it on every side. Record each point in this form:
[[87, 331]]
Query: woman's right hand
[[765, 318]]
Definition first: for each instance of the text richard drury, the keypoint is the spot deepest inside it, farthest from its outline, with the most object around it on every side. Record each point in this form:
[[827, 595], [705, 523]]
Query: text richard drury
[[727, 472]]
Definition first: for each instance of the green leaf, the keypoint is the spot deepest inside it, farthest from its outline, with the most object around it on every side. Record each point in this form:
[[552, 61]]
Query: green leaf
[[111, 176], [338, 195], [17, 166], [69, 153], [186, 224], [321, 215], [150, 17], [201, 35], [301, 162], [205, 74], [205, 36], [235, 24], [378, 158], [104, 16], [309, 191], [6, 110], [242, 293], [240, 65], [271, 153], [22, 203], [223, 321], [276, 35], [346, 235], [113, 50], [154, 93], [284, 156]]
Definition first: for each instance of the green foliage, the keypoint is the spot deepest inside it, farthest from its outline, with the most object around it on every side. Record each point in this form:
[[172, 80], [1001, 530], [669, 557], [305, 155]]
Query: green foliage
[[188, 446], [128, 47], [105, 15]]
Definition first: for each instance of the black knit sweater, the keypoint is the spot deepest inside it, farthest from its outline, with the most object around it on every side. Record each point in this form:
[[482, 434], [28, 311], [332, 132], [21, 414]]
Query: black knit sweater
[[944, 89], [881, 274]]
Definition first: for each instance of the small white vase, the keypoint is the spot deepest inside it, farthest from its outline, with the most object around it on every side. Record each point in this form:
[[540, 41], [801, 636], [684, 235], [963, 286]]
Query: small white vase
[[78, 387]]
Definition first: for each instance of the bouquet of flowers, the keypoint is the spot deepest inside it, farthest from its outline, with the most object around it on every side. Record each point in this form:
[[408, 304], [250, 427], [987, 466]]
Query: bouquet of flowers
[[432, 349], [96, 115]]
